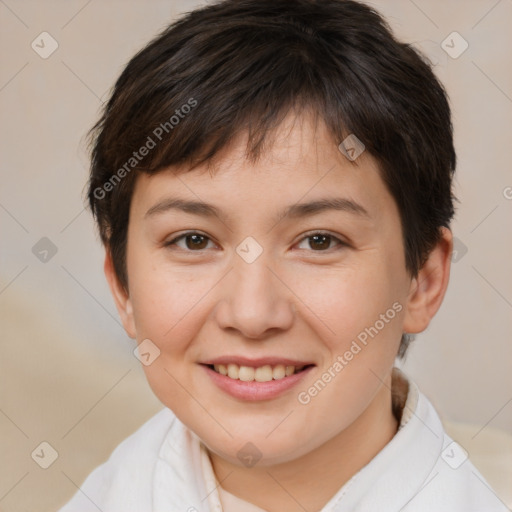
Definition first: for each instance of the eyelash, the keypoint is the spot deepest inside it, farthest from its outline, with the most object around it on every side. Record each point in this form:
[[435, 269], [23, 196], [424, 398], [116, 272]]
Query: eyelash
[[340, 243]]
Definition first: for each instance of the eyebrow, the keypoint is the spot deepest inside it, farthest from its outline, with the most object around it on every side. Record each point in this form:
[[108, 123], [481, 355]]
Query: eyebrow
[[297, 210]]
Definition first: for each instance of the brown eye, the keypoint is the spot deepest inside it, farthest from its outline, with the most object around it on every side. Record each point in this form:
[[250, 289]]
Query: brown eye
[[319, 242], [194, 242]]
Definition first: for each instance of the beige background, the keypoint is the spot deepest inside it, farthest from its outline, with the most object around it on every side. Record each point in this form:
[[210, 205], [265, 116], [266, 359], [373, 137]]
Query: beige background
[[67, 372]]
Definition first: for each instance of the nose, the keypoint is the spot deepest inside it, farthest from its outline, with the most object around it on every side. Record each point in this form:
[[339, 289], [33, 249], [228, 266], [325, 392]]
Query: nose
[[254, 300]]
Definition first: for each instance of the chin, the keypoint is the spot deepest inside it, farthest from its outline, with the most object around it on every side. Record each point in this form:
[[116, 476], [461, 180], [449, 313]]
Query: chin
[[250, 449]]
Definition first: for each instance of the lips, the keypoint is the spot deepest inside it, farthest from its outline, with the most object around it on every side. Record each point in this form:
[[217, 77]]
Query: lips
[[266, 375], [251, 389]]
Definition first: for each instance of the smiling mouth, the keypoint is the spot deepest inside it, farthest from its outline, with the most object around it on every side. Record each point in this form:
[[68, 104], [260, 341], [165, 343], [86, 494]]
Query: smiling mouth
[[265, 373]]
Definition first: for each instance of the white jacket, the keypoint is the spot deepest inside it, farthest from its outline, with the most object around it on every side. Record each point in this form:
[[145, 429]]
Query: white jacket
[[164, 467]]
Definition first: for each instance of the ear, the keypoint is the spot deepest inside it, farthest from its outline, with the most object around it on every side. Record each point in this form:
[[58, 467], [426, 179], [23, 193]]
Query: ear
[[427, 290], [120, 295]]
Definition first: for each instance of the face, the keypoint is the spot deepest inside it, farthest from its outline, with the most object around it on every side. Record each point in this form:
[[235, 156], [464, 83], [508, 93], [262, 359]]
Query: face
[[291, 278]]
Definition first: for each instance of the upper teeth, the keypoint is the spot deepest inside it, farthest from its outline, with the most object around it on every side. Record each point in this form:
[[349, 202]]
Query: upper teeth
[[261, 374]]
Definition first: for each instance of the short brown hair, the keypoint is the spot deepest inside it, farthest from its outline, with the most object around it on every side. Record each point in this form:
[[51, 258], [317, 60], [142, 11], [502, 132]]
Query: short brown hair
[[240, 65]]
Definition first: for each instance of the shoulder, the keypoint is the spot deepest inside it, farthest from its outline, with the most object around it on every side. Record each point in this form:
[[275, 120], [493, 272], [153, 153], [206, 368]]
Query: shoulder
[[144, 443], [124, 482], [454, 483], [427, 469]]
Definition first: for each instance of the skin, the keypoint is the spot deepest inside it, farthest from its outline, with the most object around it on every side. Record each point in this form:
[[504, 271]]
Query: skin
[[295, 300]]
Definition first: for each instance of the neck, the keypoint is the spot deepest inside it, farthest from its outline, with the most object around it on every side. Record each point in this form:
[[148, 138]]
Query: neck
[[288, 486]]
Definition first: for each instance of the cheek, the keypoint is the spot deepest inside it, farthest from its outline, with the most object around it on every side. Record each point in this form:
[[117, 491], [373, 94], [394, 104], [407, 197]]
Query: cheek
[[343, 303], [364, 310], [168, 311], [167, 304]]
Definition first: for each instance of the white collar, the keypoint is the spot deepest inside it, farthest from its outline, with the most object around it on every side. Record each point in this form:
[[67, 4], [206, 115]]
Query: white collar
[[183, 460]]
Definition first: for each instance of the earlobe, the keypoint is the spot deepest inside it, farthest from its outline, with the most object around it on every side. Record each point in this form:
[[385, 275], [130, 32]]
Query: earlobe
[[429, 287], [120, 295]]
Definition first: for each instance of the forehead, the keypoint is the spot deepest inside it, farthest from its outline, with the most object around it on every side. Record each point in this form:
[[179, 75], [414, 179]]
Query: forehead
[[301, 164]]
